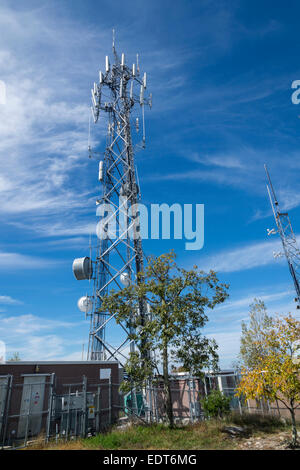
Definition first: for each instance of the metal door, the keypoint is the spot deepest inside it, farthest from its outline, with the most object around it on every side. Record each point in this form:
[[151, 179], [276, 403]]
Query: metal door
[[31, 405]]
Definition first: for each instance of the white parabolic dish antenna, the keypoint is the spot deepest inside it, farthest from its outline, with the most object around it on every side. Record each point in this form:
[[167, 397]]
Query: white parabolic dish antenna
[[82, 268], [85, 304], [124, 278]]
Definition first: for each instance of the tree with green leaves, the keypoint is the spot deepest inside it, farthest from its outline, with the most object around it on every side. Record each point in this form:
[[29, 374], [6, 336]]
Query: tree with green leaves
[[252, 348], [177, 301]]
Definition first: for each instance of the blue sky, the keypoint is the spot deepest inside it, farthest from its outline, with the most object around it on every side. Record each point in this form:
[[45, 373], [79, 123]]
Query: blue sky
[[221, 75]]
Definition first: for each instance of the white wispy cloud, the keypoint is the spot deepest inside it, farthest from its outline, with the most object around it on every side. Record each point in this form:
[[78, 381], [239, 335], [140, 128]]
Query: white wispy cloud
[[241, 167], [13, 261], [7, 300], [249, 299], [219, 160], [59, 228], [44, 123], [28, 324], [34, 178], [242, 258], [36, 337]]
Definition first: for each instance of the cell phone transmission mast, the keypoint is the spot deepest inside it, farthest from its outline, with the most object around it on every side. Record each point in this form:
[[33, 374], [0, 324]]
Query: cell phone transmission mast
[[119, 96], [288, 239]]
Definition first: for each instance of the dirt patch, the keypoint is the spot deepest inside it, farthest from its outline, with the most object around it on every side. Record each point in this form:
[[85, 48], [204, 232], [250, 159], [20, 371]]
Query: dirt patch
[[278, 441]]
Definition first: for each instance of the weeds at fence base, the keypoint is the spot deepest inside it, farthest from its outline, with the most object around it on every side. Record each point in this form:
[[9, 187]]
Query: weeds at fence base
[[205, 434], [257, 422]]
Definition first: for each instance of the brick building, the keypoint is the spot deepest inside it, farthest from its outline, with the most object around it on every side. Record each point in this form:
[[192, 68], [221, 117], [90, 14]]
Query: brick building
[[65, 398]]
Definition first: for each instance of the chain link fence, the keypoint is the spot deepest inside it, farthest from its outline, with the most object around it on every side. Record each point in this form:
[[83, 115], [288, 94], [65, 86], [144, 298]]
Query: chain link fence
[[41, 406], [38, 405]]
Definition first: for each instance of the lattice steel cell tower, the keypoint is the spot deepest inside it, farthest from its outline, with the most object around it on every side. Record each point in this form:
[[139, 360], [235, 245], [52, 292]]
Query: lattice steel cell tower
[[288, 239], [120, 97]]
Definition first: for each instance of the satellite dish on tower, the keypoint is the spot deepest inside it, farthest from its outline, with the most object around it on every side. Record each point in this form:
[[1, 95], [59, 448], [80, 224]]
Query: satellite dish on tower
[[82, 268], [85, 304], [124, 278]]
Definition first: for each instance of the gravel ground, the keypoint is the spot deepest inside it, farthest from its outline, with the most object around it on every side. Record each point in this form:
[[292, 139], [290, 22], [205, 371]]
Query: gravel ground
[[277, 441]]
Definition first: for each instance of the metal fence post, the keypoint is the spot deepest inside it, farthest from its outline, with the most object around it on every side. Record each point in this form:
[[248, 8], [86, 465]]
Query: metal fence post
[[7, 406], [98, 410], [84, 387], [75, 424], [195, 409], [109, 400], [190, 400], [150, 401], [156, 404], [205, 385], [28, 413], [240, 406], [50, 404], [68, 415]]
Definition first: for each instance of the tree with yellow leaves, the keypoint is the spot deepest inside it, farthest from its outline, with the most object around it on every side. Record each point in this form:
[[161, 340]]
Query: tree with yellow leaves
[[277, 374]]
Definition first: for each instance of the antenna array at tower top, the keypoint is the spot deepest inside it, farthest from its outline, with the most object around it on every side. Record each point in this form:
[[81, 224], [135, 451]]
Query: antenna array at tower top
[[123, 81]]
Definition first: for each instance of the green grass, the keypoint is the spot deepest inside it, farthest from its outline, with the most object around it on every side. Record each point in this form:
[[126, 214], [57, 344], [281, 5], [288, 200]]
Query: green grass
[[203, 435]]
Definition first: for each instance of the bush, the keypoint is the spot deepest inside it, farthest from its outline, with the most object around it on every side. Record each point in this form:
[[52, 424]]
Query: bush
[[216, 405]]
